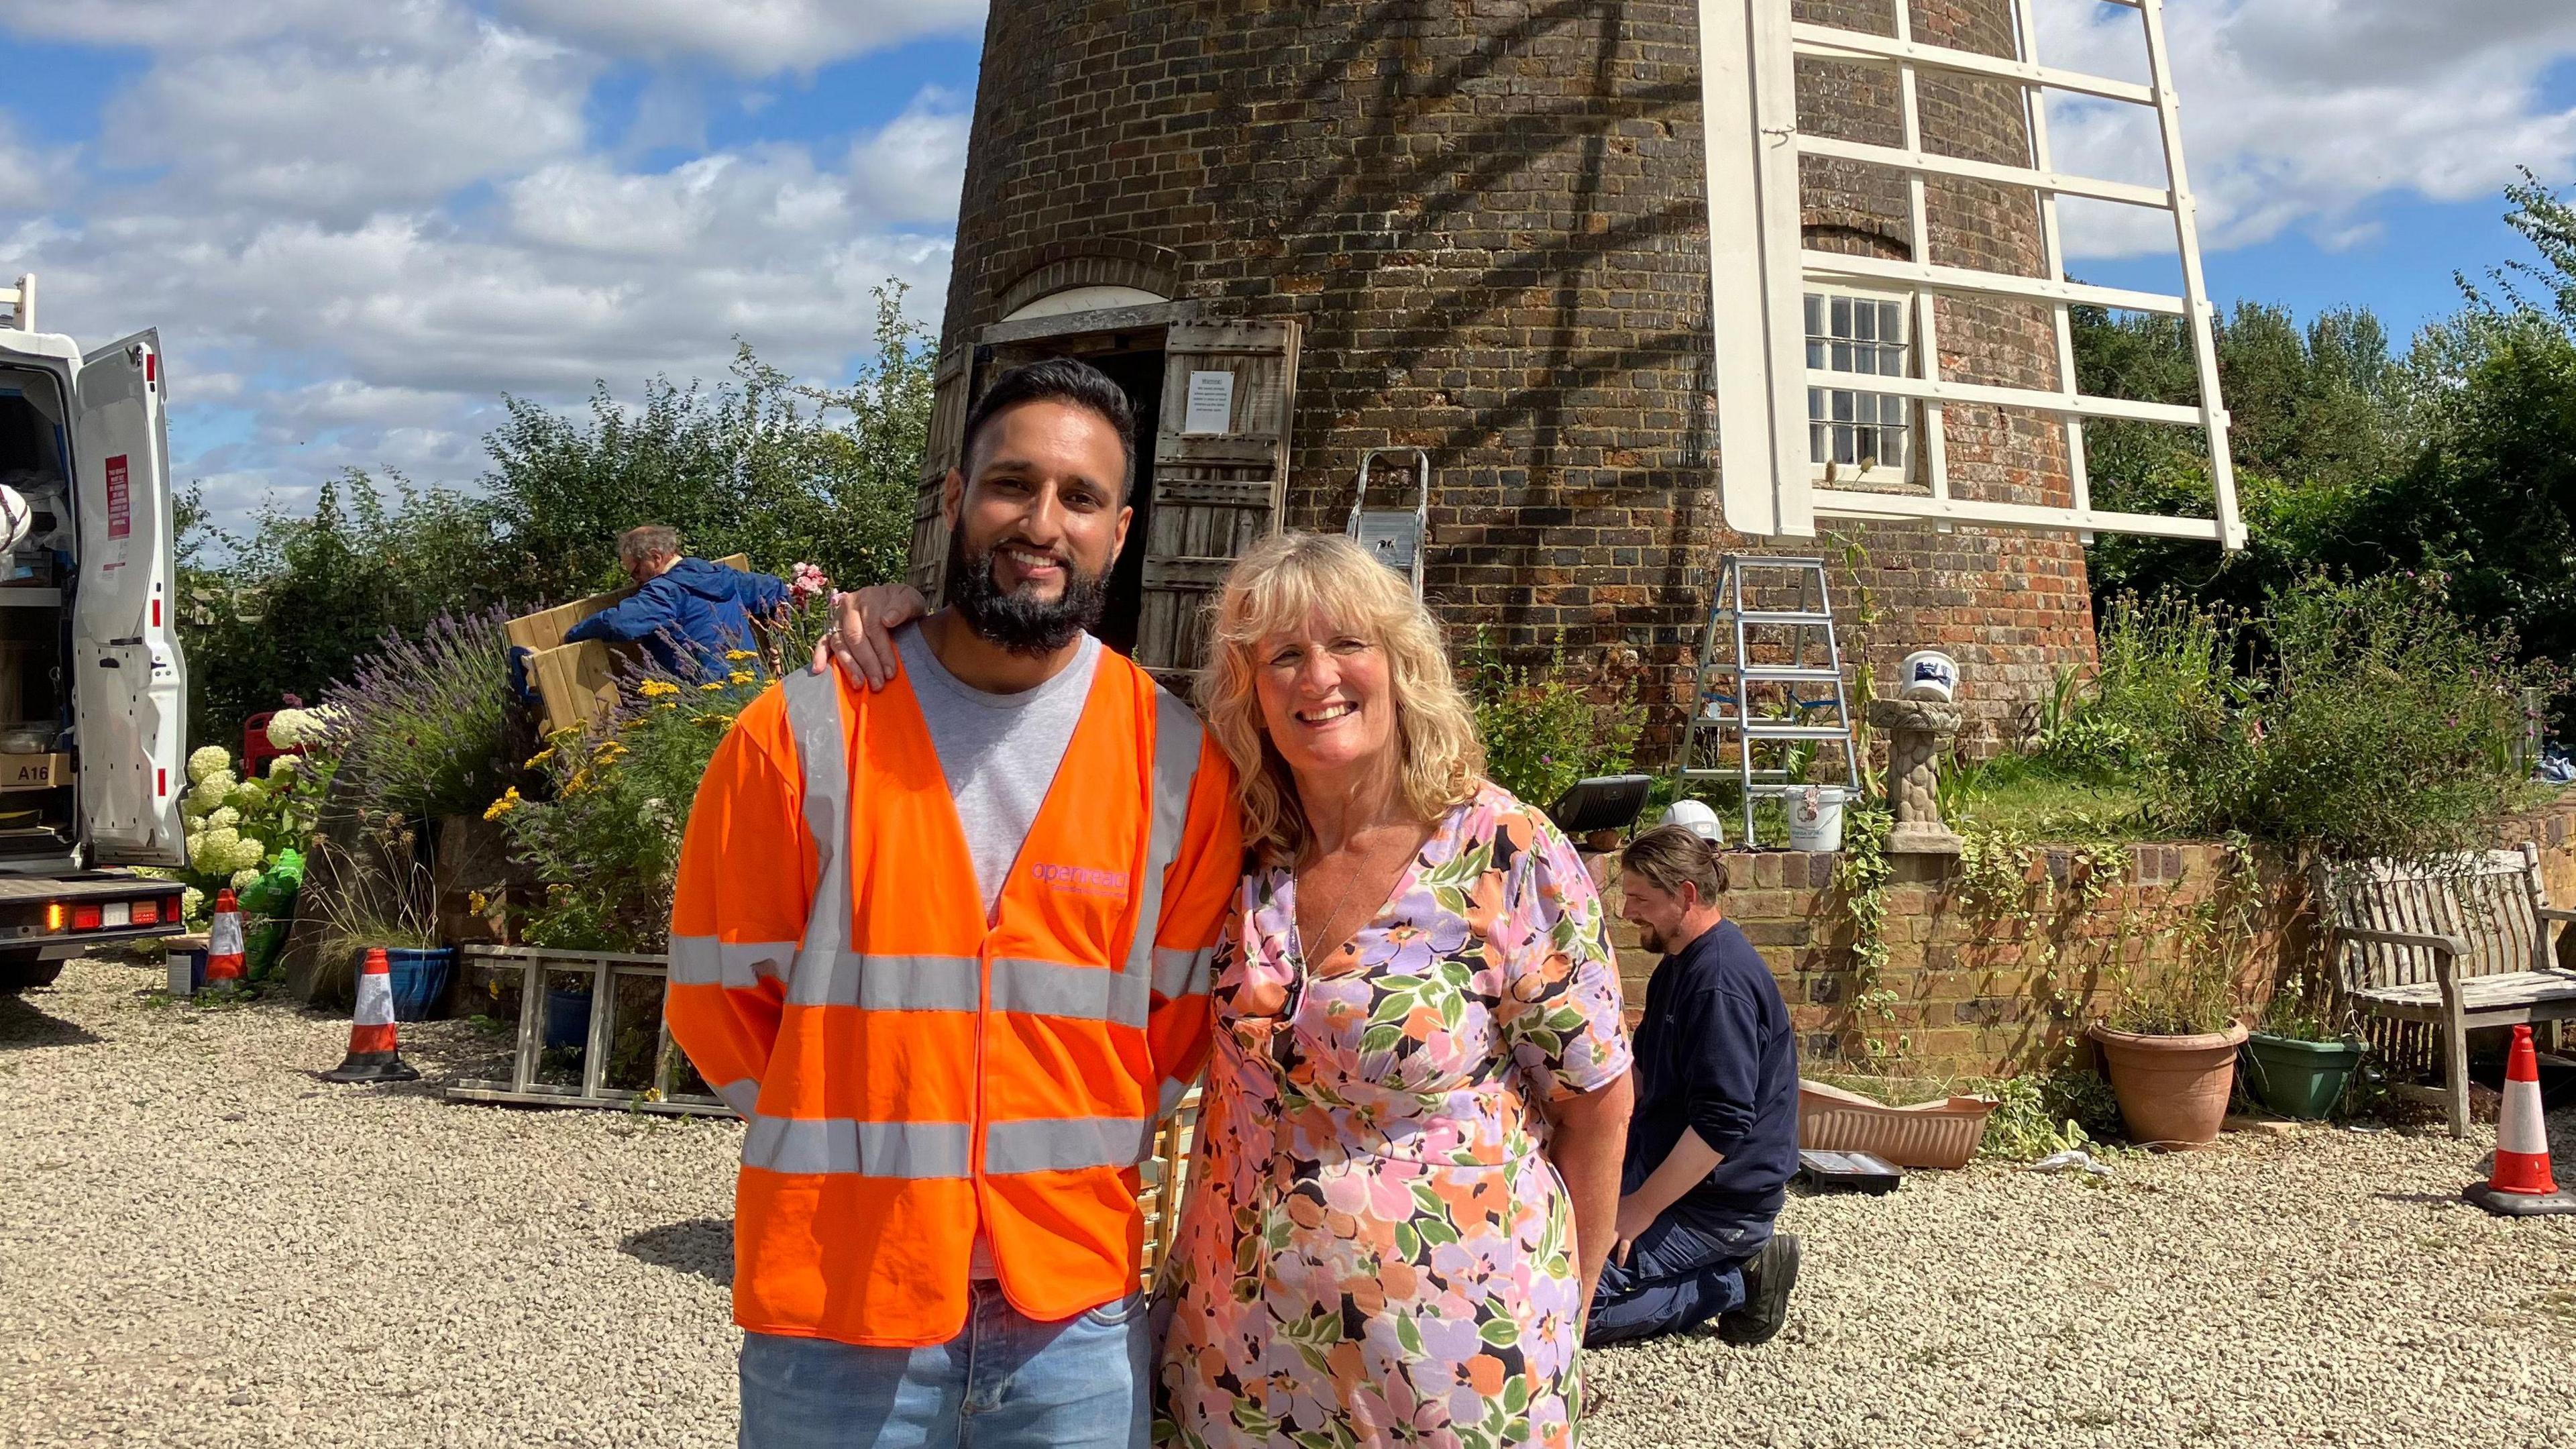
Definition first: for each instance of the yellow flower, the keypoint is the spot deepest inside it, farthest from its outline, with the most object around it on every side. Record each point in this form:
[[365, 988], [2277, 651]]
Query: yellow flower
[[504, 805], [611, 751], [739, 676], [580, 778], [656, 688], [709, 687], [736, 656], [540, 757], [477, 902], [666, 704]]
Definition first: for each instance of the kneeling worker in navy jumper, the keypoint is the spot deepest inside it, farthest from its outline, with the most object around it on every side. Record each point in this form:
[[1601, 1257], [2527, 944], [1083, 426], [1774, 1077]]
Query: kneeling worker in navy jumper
[[1715, 1135]]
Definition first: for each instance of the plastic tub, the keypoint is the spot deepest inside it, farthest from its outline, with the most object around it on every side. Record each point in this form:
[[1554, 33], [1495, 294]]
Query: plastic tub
[[420, 979], [567, 1020]]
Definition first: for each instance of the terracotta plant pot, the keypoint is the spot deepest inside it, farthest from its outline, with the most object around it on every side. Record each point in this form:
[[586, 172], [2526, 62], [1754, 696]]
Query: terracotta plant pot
[[2173, 1089]]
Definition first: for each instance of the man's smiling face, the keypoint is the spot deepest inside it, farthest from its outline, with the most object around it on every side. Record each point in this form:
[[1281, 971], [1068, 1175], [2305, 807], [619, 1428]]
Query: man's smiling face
[[1037, 520]]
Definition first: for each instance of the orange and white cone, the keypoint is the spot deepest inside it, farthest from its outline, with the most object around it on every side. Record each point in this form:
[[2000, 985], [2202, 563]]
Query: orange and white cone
[[224, 944], [2520, 1182], [375, 1055]]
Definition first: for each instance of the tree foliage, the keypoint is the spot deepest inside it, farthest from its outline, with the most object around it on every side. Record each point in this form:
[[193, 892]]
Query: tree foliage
[[759, 464]]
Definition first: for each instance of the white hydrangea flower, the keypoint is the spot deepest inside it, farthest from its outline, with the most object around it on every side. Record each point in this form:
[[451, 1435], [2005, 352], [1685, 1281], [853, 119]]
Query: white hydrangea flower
[[209, 761], [197, 804], [242, 879], [248, 795], [222, 816], [191, 901], [294, 728], [284, 765], [196, 846]]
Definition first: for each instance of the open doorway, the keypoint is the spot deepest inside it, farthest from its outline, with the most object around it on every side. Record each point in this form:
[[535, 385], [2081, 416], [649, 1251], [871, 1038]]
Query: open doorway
[[1134, 361]]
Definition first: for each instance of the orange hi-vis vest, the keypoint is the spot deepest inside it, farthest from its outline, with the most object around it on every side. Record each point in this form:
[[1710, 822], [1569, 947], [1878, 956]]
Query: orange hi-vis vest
[[911, 1070]]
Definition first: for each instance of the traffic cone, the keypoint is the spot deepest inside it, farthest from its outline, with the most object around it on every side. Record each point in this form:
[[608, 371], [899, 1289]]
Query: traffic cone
[[2520, 1183], [224, 944], [374, 1055]]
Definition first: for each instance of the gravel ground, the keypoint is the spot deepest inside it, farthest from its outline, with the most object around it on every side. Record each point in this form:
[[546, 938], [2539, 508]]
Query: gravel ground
[[200, 1244]]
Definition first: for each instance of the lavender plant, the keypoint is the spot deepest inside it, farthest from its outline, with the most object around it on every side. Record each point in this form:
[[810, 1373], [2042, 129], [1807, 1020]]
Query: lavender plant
[[423, 724]]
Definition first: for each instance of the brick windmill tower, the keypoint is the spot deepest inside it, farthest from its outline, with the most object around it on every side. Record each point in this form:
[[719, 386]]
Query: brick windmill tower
[[1482, 227]]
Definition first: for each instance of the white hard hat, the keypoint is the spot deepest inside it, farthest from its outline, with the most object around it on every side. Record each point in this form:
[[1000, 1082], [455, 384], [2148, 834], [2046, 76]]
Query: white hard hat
[[1698, 819]]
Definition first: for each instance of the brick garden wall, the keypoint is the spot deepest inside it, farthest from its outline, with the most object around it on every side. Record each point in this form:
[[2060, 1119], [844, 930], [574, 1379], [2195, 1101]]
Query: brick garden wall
[[1489, 217], [1976, 994]]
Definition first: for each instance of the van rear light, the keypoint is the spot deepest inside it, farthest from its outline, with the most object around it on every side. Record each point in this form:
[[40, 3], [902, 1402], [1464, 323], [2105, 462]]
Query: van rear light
[[170, 909], [147, 913], [57, 916], [85, 918]]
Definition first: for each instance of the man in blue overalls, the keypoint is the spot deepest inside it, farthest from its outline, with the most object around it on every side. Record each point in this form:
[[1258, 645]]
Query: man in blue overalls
[[1715, 1136]]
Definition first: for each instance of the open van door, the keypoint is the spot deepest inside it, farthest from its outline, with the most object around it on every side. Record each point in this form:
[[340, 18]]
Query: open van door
[[129, 684]]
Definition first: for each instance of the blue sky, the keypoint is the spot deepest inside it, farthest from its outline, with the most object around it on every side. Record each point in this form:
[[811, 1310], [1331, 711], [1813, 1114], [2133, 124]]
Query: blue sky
[[357, 225]]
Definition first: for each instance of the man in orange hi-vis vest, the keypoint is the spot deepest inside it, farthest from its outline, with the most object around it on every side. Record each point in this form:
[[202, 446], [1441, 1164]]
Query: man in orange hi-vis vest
[[946, 948]]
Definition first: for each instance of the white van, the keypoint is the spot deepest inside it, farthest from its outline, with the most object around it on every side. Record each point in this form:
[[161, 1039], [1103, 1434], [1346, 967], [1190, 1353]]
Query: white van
[[93, 689]]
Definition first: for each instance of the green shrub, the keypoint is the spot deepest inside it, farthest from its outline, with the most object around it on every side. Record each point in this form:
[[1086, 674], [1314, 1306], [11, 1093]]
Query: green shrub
[[602, 832], [2374, 722], [1544, 730]]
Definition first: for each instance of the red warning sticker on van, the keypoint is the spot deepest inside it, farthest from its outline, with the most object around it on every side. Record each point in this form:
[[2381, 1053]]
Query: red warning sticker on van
[[120, 499]]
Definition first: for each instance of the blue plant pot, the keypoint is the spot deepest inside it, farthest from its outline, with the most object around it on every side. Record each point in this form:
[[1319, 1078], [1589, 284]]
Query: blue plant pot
[[420, 979], [567, 1020]]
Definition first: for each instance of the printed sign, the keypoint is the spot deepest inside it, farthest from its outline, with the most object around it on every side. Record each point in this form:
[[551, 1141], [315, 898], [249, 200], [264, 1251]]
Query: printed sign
[[120, 499], [1211, 410]]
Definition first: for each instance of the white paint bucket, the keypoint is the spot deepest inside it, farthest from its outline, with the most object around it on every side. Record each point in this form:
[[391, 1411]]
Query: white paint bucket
[[1816, 818], [1928, 674]]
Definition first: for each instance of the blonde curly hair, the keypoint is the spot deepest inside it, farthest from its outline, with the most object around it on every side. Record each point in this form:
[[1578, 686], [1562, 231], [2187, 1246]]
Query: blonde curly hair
[[1276, 587]]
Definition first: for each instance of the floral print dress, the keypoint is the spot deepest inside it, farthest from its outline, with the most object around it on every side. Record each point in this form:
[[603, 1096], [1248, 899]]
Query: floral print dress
[[1374, 1250]]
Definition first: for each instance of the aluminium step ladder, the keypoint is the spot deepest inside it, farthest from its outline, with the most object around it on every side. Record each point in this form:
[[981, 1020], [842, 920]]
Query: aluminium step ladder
[[1394, 536], [1768, 682]]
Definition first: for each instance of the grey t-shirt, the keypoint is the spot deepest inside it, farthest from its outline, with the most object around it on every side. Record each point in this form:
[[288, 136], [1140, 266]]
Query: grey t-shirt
[[999, 751]]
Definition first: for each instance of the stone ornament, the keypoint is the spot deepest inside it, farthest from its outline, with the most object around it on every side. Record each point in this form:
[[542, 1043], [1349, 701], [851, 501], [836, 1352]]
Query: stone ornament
[[1917, 730]]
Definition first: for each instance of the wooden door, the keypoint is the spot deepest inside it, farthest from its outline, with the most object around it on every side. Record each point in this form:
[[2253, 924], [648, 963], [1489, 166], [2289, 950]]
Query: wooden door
[[1219, 483], [952, 394]]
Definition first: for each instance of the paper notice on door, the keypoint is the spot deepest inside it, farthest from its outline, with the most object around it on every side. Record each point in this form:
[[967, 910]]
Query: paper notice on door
[[1211, 410]]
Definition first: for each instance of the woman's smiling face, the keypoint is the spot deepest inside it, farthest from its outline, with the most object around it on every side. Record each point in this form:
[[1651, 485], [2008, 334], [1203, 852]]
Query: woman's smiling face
[[1327, 696]]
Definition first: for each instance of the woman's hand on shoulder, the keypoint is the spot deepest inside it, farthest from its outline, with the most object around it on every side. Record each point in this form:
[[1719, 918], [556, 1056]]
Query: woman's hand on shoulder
[[861, 640]]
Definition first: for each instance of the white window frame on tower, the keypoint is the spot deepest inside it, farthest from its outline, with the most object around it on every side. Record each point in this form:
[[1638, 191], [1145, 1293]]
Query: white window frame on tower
[[1824, 349], [1761, 270]]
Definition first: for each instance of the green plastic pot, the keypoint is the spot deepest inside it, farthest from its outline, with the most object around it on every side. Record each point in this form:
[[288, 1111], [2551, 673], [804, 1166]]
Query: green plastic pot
[[2302, 1079]]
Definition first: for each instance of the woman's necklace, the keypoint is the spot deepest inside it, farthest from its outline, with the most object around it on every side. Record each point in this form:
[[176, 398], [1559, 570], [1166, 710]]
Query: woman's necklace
[[1329, 935]]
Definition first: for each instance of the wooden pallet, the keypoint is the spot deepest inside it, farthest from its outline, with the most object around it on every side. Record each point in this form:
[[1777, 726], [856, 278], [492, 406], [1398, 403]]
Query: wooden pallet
[[607, 969]]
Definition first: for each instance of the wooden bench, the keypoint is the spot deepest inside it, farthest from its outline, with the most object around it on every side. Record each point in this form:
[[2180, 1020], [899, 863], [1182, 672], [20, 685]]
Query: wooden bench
[[2459, 944]]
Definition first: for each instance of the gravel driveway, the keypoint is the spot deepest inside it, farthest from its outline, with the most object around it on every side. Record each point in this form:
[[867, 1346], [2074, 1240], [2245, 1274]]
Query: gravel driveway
[[200, 1244]]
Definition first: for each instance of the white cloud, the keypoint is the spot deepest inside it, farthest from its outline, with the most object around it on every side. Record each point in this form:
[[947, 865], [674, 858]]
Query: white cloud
[[329, 132], [358, 226], [751, 37], [2298, 113]]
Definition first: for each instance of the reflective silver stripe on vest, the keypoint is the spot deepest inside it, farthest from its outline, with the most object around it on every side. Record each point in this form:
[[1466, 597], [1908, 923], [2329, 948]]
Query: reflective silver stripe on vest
[[1175, 1092], [822, 754], [1181, 973], [736, 965], [1079, 993], [1177, 732], [888, 983], [1063, 1144], [867, 1149], [742, 1096]]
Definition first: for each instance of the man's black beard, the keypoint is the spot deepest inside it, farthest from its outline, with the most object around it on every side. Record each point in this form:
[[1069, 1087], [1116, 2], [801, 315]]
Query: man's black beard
[[1015, 621]]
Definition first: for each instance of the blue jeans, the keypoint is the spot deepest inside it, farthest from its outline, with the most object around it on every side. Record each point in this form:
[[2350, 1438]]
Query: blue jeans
[[1676, 1278], [1006, 1380]]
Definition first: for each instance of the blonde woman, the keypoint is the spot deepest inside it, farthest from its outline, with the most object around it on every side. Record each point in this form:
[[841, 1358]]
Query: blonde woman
[[1408, 1167]]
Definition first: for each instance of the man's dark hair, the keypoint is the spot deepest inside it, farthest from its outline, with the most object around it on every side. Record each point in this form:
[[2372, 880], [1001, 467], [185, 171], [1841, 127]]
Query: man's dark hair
[[1065, 380], [1671, 856]]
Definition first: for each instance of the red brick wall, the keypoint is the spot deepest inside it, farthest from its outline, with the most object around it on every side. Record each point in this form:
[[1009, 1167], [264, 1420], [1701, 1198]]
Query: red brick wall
[[1984, 994], [1489, 217]]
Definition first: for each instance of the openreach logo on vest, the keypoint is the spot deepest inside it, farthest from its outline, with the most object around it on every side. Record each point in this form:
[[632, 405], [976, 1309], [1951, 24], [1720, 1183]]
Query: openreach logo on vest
[[1082, 880]]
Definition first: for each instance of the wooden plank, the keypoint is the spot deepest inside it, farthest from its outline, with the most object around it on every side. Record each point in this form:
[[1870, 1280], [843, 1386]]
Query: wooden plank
[[1229, 449], [2061, 182], [1141, 317], [1829, 42]]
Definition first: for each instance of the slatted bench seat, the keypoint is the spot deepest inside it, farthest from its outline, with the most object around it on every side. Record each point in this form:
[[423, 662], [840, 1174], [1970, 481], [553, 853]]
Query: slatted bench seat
[[2461, 943]]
